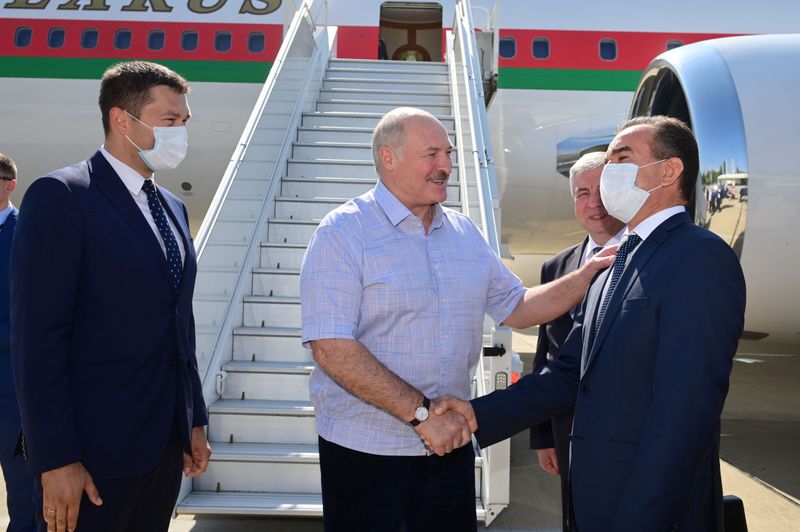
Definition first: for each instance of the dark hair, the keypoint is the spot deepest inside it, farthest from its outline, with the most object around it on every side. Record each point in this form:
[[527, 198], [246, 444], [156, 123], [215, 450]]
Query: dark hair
[[127, 86], [673, 138], [7, 165]]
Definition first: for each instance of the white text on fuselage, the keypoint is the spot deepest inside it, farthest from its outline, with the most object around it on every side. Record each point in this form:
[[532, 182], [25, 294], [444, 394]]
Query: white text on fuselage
[[250, 7]]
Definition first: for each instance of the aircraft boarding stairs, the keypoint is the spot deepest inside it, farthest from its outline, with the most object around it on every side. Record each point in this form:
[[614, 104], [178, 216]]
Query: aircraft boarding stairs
[[247, 305]]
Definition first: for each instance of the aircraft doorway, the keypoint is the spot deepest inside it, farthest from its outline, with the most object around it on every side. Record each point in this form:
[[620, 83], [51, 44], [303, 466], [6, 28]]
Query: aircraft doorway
[[411, 31]]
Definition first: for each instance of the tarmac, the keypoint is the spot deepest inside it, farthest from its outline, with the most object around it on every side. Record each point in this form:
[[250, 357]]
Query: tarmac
[[759, 450]]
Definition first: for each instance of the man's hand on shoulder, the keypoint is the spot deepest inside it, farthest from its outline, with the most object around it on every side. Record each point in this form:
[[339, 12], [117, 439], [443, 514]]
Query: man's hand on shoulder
[[604, 259], [62, 489], [196, 464]]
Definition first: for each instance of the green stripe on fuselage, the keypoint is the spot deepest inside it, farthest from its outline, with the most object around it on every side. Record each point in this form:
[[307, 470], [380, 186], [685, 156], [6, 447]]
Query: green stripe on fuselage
[[568, 79], [76, 68]]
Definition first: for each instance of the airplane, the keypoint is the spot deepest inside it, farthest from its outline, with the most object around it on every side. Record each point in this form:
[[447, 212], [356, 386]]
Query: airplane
[[559, 77]]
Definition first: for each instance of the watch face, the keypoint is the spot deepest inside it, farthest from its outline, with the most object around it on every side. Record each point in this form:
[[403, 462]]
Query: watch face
[[421, 414]]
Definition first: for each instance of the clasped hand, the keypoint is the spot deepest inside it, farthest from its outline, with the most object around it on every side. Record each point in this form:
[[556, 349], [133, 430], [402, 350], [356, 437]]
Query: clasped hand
[[450, 425]]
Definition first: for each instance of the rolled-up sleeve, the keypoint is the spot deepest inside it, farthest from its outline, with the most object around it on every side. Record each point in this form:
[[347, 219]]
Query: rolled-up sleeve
[[331, 285], [505, 289]]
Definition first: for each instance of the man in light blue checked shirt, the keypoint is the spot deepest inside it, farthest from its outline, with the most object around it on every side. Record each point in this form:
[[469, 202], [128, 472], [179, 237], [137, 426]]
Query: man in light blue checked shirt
[[394, 290]]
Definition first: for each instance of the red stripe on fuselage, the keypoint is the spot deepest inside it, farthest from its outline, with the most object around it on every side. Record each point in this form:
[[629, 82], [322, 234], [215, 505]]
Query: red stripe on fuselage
[[205, 51], [581, 49]]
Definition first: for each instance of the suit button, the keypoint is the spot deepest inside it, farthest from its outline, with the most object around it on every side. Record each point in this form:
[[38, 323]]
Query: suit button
[[174, 362]]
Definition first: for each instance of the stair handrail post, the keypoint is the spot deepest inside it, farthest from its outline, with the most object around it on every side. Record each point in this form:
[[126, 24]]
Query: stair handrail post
[[493, 372]]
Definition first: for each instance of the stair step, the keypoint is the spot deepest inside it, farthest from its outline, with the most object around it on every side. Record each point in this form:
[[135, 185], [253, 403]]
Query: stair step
[[358, 119], [271, 311], [278, 381], [342, 134], [238, 503], [332, 150], [347, 187], [389, 64], [379, 106], [346, 82], [331, 168], [282, 368], [269, 344], [297, 231], [387, 94], [262, 468], [282, 255], [313, 208], [262, 421], [276, 282], [357, 151]]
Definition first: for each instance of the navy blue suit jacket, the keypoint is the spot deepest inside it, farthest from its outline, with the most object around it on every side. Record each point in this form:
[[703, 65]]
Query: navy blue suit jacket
[[102, 348], [9, 416], [651, 386], [548, 346]]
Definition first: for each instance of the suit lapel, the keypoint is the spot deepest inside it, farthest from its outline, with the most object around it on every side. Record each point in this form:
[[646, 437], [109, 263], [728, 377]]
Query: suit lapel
[[626, 281], [110, 184]]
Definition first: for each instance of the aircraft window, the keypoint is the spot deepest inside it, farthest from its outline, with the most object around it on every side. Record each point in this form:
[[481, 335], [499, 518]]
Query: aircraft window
[[222, 41], [189, 41], [608, 49], [55, 37], [674, 44], [155, 40], [122, 39], [22, 37], [508, 47], [541, 48], [89, 38], [255, 42]]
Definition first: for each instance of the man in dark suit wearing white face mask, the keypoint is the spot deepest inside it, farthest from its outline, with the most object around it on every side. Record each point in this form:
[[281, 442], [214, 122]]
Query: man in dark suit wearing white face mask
[[102, 276], [551, 438], [650, 354]]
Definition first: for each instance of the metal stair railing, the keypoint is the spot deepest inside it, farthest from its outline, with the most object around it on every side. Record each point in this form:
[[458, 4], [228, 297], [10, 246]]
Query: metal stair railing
[[480, 201], [291, 88]]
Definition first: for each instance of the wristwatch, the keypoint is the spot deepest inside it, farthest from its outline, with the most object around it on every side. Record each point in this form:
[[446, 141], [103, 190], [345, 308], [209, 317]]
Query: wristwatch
[[421, 413]]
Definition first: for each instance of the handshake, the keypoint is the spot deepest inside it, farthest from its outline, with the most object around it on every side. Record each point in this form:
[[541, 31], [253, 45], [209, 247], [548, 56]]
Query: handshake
[[449, 426]]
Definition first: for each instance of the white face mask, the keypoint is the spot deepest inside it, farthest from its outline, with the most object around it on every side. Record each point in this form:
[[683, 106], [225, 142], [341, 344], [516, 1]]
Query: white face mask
[[169, 149], [621, 197]]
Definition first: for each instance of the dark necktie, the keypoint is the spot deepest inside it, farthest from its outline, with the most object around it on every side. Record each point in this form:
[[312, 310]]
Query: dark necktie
[[173, 251], [619, 264]]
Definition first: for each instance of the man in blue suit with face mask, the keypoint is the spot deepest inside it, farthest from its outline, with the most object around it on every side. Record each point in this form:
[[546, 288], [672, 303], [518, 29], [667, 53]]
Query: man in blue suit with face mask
[[649, 357], [102, 276]]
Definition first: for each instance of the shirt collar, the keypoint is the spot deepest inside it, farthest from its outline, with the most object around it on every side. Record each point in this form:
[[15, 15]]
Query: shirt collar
[[132, 179], [396, 211], [649, 224], [591, 244], [5, 212]]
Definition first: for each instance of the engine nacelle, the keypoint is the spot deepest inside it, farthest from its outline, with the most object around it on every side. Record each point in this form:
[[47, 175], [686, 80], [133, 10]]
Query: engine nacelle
[[740, 97]]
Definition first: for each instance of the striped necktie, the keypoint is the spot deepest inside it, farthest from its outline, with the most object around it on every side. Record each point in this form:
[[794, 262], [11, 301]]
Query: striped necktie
[[619, 265], [174, 262]]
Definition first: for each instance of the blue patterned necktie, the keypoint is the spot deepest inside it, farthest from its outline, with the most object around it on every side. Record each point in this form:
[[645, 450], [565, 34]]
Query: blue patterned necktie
[[619, 264], [174, 262]]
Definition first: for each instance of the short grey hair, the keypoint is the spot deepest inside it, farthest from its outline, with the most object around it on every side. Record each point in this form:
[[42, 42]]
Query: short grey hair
[[588, 161], [390, 132]]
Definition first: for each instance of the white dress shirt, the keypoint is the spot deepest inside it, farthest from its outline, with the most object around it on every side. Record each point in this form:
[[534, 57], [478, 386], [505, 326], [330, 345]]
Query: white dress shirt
[[5, 212], [133, 181], [645, 229]]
